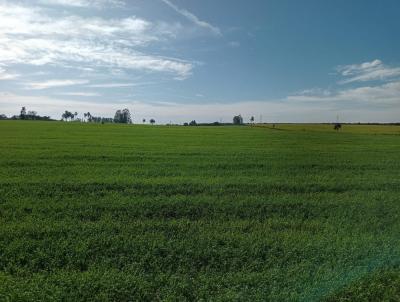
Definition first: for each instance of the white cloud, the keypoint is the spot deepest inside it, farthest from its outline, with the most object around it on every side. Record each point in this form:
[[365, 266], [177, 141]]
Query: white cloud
[[368, 71], [384, 94], [29, 36], [112, 85], [84, 3], [193, 18], [118, 85], [314, 91], [4, 75], [43, 51], [19, 21], [84, 94], [53, 84]]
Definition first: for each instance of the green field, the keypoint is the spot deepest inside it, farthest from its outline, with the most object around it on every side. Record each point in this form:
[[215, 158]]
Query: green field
[[93, 212]]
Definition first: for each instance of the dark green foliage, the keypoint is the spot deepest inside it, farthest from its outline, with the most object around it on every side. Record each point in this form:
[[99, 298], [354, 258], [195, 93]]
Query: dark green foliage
[[67, 115], [238, 120], [26, 115], [123, 117], [22, 114], [93, 212], [337, 126]]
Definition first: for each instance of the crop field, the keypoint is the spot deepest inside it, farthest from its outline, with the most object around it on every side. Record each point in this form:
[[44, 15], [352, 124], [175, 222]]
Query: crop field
[[92, 212]]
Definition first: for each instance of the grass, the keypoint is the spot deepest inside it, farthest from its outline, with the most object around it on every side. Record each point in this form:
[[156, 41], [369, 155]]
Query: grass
[[137, 213]]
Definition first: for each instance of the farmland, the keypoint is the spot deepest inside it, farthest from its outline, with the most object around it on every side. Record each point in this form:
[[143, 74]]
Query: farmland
[[146, 213]]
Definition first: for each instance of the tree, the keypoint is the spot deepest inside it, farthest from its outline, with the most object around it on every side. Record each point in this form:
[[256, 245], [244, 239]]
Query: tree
[[88, 116], [337, 126], [23, 113], [252, 120], [123, 116], [152, 121], [237, 120], [3, 117], [127, 116], [118, 116], [31, 115], [193, 123], [67, 115], [144, 121], [75, 115]]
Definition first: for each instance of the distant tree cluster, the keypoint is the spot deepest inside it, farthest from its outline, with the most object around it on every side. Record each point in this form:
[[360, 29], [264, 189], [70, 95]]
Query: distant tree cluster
[[31, 115], [123, 117], [26, 115], [238, 120], [69, 116], [191, 123], [102, 120]]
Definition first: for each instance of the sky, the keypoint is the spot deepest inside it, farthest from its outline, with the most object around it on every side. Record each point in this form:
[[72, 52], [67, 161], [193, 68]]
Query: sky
[[179, 60]]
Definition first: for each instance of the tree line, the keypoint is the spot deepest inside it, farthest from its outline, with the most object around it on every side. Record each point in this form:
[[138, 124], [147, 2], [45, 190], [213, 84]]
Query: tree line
[[120, 117], [26, 115]]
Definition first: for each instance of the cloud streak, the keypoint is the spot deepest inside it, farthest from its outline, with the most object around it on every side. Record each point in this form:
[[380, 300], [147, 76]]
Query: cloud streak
[[380, 95], [193, 18], [84, 3], [84, 94], [53, 84], [4, 75], [368, 71], [118, 85]]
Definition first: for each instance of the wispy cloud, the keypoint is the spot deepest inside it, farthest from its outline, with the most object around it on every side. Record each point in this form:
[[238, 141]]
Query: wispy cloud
[[118, 85], [193, 18], [368, 71], [85, 3], [4, 75], [384, 94], [111, 85], [30, 36], [53, 84], [84, 94]]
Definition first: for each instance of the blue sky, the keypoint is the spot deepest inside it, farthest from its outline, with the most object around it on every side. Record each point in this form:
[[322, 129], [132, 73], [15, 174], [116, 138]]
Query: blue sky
[[178, 60]]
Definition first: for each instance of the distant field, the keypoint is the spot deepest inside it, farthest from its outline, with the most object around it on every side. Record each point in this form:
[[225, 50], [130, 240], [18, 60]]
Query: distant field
[[139, 213], [365, 129]]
